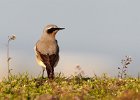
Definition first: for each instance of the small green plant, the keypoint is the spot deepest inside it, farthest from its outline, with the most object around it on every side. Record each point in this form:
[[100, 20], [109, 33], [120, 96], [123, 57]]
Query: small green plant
[[24, 87], [123, 69], [10, 38]]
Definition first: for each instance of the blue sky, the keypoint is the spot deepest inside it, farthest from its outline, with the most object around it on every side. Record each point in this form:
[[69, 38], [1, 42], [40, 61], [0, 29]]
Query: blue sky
[[98, 34]]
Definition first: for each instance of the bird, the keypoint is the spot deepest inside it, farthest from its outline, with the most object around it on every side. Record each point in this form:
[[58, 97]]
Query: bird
[[47, 50]]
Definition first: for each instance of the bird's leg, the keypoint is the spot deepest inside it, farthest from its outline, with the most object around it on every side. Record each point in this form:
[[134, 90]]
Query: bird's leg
[[43, 72], [48, 72], [52, 73]]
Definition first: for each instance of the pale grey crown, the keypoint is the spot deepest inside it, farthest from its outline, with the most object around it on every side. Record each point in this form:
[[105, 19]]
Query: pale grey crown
[[52, 28]]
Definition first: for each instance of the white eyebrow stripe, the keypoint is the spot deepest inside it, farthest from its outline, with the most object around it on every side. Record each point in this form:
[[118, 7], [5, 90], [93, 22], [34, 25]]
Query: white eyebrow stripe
[[50, 27]]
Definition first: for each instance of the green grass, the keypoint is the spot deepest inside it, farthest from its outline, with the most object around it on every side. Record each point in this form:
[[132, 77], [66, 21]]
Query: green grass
[[22, 86]]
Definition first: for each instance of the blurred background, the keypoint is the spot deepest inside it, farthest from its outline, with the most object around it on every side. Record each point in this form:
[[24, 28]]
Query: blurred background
[[98, 34]]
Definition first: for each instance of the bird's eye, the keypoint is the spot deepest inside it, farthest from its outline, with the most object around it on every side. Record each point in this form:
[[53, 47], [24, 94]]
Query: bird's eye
[[49, 31]]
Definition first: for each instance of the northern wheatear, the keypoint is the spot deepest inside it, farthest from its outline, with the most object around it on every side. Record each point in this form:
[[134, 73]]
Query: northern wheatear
[[47, 50]]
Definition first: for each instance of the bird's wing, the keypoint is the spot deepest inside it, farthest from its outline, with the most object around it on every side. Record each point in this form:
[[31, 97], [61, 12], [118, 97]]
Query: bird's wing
[[54, 58], [49, 60], [43, 58]]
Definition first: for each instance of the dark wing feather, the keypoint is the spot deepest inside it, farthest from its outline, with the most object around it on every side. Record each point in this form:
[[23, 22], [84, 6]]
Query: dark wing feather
[[54, 58]]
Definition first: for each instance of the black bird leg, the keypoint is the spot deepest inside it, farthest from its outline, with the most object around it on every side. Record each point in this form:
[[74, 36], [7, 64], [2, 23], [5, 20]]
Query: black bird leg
[[50, 73]]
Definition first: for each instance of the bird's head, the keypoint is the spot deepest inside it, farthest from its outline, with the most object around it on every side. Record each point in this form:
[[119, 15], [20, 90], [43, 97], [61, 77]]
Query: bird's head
[[52, 29]]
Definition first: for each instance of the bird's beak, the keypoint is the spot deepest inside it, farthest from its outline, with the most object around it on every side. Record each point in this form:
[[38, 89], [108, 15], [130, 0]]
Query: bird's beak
[[61, 28]]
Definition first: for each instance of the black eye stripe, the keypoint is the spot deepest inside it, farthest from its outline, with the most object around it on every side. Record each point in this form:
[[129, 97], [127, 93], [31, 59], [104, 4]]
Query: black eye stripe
[[51, 30]]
